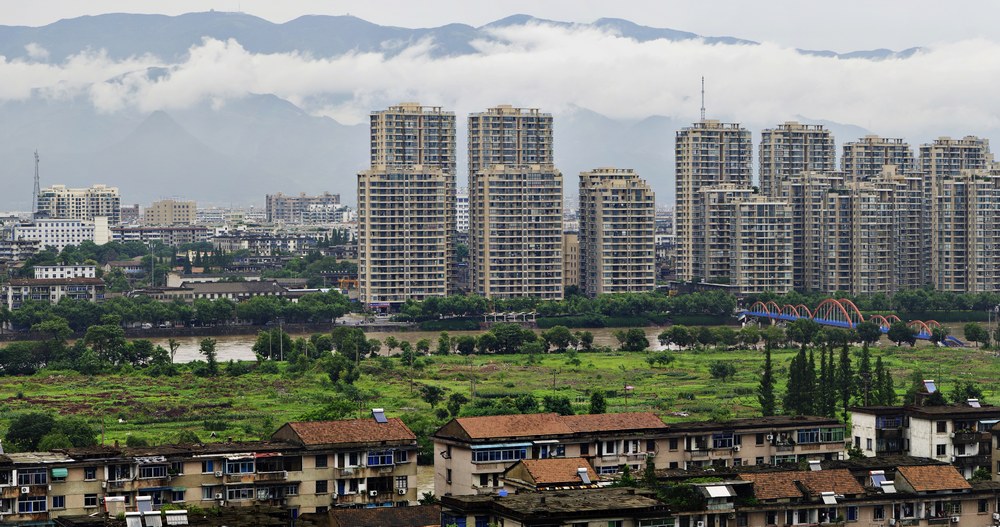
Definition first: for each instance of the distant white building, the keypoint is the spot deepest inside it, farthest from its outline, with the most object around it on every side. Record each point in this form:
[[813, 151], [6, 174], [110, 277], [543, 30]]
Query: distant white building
[[59, 233], [462, 209], [65, 271]]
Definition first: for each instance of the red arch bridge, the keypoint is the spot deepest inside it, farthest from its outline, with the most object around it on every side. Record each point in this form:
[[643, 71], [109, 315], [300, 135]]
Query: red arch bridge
[[841, 313]]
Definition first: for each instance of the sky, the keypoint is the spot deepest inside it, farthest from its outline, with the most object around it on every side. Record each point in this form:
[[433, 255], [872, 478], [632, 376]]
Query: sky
[[838, 25]]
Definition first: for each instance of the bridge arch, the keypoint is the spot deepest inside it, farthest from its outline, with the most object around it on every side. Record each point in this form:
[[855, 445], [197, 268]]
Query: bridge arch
[[804, 311], [759, 307], [832, 311], [919, 326], [883, 323], [855, 313], [773, 308], [933, 323], [790, 310]]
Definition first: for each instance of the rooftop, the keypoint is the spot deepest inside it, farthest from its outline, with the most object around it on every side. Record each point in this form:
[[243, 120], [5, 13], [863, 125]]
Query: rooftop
[[756, 422], [416, 516], [566, 504], [497, 427], [799, 483], [554, 471], [348, 431], [934, 477]]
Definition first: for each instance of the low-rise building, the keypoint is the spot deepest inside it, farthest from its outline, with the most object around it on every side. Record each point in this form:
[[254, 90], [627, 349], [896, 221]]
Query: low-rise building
[[953, 433], [173, 236], [65, 271], [51, 290], [59, 233], [472, 453], [593, 507], [235, 291], [550, 474]]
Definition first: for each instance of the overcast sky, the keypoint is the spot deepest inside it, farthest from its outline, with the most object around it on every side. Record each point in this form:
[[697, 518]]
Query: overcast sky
[[839, 25]]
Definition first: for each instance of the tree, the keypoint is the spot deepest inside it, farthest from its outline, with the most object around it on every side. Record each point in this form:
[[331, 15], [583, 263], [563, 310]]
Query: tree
[[965, 391], [444, 343], [423, 346], [679, 336], [868, 333], [939, 334], [661, 358], [722, 370], [57, 328], [706, 337], [597, 403], [431, 394], [559, 337], [773, 336], [586, 339], [510, 337], [865, 377], [748, 336], [975, 332], [526, 403], [455, 402], [765, 390], [77, 430], [558, 404], [845, 378], [26, 430], [207, 348], [885, 391], [804, 331], [726, 336], [391, 343], [466, 344], [633, 339], [900, 333], [174, 346]]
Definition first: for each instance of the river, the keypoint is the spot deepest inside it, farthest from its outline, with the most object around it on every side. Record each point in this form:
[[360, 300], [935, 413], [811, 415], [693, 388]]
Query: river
[[238, 347]]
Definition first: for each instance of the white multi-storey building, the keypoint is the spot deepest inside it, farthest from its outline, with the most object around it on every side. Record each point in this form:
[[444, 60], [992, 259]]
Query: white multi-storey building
[[58, 201]]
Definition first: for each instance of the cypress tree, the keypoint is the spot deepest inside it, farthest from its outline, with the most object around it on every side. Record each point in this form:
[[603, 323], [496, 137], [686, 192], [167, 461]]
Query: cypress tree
[[809, 392], [865, 377], [845, 378], [765, 392], [822, 385]]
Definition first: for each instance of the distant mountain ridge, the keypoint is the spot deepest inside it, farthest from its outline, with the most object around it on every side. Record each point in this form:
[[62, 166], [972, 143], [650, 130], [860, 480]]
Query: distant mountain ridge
[[170, 37]]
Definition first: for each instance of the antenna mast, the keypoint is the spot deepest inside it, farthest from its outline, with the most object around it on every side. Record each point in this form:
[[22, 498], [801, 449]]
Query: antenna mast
[[703, 98], [34, 200]]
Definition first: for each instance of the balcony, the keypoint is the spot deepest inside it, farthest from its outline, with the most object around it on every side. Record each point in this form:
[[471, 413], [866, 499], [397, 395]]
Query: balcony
[[278, 475], [972, 461], [969, 437]]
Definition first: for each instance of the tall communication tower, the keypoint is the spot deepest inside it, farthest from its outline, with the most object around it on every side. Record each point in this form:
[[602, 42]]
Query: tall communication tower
[[703, 98], [38, 190]]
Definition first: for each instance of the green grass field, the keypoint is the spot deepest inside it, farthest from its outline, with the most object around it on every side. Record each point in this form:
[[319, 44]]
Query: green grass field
[[253, 405]]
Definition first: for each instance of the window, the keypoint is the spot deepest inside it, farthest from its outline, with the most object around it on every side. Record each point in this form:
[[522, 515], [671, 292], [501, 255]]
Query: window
[[808, 435], [722, 440], [31, 504], [177, 496], [34, 476], [650, 445], [610, 469], [402, 456], [208, 493], [177, 467], [673, 443], [984, 506], [482, 521], [90, 500], [758, 461], [852, 514], [941, 449], [868, 443], [239, 466], [956, 507], [448, 475], [831, 435], [609, 448], [207, 467], [942, 427], [152, 471], [760, 439], [58, 502], [585, 449], [322, 486], [239, 493], [402, 482], [499, 454], [377, 458], [878, 513], [614, 523], [321, 461], [771, 517]]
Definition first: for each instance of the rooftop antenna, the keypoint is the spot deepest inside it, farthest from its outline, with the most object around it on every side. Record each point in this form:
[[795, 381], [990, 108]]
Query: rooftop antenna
[[703, 98], [37, 191]]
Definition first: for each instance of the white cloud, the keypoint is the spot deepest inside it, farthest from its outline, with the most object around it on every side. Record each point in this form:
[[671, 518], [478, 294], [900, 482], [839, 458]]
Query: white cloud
[[36, 51], [945, 89]]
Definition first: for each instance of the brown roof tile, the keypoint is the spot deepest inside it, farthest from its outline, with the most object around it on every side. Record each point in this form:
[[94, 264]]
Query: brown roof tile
[[934, 477], [501, 426], [780, 485], [557, 470], [416, 516], [350, 431], [614, 422]]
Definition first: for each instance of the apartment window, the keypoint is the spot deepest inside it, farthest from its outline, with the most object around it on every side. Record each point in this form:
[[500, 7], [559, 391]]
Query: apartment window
[[673, 444], [942, 427], [771, 517], [614, 523], [402, 482], [321, 461], [36, 476], [177, 496], [208, 493], [89, 473], [941, 449], [868, 443], [177, 468], [402, 456], [759, 439], [809, 435], [58, 502], [482, 521], [878, 513], [499, 454], [31, 504], [207, 467], [650, 445], [378, 458], [585, 449], [322, 486], [90, 500], [448, 475], [609, 447], [852, 514], [758, 461], [152, 471], [240, 493], [722, 440], [984, 506]]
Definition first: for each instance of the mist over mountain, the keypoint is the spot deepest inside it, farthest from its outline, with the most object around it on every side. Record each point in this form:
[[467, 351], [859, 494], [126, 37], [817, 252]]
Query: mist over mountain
[[227, 107]]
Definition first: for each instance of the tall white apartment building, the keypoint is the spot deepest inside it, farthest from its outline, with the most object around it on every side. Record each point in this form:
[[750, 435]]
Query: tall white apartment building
[[61, 202], [792, 148], [509, 136], [515, 236], [409, 134], [716, 218], [59, 233], [761, 251], [966, 233], [707, 153], [462, 209], [863, 159], [617, 238]]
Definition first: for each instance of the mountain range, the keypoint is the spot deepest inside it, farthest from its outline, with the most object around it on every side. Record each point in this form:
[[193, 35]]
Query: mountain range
[[237, 151]]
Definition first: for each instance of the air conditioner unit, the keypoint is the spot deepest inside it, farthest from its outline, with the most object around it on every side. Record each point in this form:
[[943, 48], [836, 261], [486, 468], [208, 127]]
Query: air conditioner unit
[[699, 524], [373, 493], [25, 490], [996, 516], [732, 515], [104, 484], [218, 473], [334, 495], [954, 519], [736, 448], [401, 492], [952, 435], [218, 495], [952, 459], [892, 521], [770, 437]]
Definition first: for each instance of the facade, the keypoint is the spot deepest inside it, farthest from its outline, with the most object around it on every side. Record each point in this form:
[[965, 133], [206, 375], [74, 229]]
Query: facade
[[172, 236], [462, 210], [61, 202], [130, 214], [57, 233], [65, 271], [864, 159], [170, 212], [408, 135], [792, 148], [508, 136], [949, 157], [406, 229], [304, 468], [955, 433], [472, 453], [762, 246], [571, 259], [715, 215], [708, 153], [966, 237], [515, 236], [51, 290], [235, 291], [323, 208], [617, 240], [265, 245]]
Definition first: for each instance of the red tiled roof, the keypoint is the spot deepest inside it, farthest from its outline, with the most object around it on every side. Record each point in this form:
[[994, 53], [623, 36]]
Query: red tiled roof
[[350, 431], [614, 422], [781, 485], [557, 470], [498, 426], [925, 478]]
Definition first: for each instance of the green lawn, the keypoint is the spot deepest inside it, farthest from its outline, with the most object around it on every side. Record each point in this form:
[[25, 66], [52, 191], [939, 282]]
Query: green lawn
[[253, 405]]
